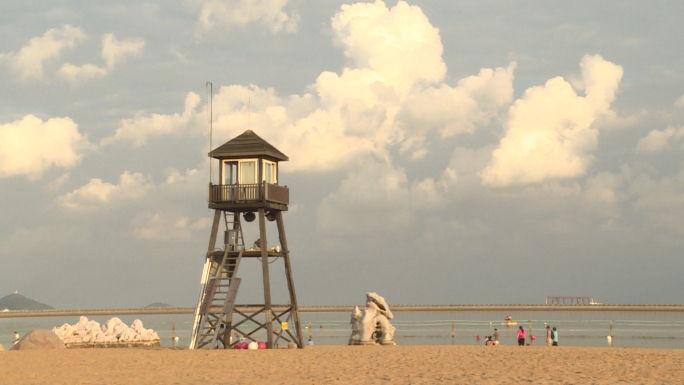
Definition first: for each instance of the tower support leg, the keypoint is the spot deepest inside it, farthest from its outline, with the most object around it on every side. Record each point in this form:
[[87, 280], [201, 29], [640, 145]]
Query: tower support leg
[[267, 282], [290, 279]]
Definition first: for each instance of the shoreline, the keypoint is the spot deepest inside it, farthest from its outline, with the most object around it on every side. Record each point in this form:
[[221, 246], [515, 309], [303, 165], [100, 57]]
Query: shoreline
[[348, 308]]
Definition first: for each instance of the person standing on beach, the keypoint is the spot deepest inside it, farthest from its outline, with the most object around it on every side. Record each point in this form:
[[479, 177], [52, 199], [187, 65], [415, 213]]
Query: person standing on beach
[[496, 337], [16, 338], [222, 332], [555, 337], [549, 336], [521, 336]]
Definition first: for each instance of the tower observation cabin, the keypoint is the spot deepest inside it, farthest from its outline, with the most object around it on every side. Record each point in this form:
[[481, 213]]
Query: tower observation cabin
[[248, 189], [248, 168]]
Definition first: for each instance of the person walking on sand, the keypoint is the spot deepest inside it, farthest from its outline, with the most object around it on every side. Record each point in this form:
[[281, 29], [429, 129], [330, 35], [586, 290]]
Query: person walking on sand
[[555, 337], [521, 336], [496, 336], [549, 336], [16, 338]]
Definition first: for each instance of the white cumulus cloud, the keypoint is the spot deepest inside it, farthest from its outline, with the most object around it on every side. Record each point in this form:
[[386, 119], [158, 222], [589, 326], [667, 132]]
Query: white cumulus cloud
[[139, 129], [391, 95], [113, 51], [549, 133], [97, 194], [398, 44], [28, 62], [374, 104], [166, 227], [80, 74], [239, 13], [376, 203], [30, 146], [658, 140]]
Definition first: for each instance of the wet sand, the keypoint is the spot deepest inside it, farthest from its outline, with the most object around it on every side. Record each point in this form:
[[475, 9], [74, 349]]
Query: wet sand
[[345, 365]]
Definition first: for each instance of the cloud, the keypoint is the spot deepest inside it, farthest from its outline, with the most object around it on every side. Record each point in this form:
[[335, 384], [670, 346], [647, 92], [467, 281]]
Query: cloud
[[28, 63], [30, 146], [657, 140], [97, 194], [604, 193], [387, 204], [165, 227], [239, 13], [398, 44], [661, 201], [391, 96], [472, 104], [114, 51], [376, 103], [139, 129], [549, 130], [679, 103], [80, 74]]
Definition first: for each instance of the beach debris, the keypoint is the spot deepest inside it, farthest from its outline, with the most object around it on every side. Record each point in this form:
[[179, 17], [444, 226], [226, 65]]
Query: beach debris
[[113, 331], [371, 325], [39, 339], [253, 346]]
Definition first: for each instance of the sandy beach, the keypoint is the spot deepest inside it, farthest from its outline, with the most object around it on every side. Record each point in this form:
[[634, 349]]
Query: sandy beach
[[347, 364]]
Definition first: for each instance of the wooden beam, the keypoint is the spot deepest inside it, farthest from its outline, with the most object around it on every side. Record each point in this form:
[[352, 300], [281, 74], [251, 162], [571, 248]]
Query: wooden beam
[[290, 278], [214, 231], [267, 280]]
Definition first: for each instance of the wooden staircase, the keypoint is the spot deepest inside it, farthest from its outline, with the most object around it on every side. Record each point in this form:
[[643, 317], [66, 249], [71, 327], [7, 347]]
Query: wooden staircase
[[215, 308]]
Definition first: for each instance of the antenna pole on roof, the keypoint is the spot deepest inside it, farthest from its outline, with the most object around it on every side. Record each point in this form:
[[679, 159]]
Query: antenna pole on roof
[[249, 113], [210, 110]]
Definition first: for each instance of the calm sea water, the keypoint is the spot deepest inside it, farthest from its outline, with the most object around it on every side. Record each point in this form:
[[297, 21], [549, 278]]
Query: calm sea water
[[629, 329]]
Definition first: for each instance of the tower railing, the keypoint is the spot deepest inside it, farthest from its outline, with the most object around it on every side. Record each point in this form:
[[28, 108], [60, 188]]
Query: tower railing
[[256, 192]]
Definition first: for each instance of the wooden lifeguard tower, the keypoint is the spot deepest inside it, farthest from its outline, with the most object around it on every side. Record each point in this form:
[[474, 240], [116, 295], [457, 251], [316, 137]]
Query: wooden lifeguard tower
[[248, 189]]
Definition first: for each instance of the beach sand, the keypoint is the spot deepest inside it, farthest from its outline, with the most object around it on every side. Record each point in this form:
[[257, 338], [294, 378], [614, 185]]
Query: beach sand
[[346, 365]]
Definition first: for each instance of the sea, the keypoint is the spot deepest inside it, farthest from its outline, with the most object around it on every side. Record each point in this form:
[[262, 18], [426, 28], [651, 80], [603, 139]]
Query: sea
[[575, 328]]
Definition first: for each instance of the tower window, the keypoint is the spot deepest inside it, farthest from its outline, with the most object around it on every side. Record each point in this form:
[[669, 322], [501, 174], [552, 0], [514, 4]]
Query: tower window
[[247, 171], [270, 175]]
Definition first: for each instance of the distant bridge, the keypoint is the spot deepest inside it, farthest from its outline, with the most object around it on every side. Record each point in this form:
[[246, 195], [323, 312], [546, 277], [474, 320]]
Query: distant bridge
[[346, 309]]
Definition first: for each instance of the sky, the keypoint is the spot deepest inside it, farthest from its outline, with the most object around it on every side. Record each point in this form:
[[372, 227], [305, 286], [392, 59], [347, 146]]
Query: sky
[[440, 152]]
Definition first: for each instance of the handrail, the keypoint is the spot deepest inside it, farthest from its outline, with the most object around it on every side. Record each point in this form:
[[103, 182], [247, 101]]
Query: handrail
[[244, 193]]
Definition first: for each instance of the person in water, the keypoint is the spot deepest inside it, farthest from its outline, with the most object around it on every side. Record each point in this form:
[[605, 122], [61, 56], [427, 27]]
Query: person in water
[[521, 336]]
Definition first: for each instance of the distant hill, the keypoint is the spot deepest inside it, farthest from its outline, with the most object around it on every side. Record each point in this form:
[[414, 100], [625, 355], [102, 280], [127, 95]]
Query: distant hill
[[159, 304], [19, 302]]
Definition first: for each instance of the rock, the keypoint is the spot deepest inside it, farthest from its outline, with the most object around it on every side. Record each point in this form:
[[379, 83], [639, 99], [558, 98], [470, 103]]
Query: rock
[[39, 339], [292, 345]]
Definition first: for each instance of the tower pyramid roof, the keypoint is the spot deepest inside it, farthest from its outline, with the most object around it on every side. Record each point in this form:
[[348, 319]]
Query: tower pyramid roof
[[247, 145]]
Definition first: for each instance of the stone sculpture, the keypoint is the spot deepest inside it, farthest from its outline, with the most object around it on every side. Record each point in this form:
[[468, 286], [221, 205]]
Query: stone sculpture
[[371, 325], [112, 332]]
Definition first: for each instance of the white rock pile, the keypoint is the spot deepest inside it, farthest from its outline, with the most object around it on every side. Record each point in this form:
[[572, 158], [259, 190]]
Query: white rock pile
[[113, 331]]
